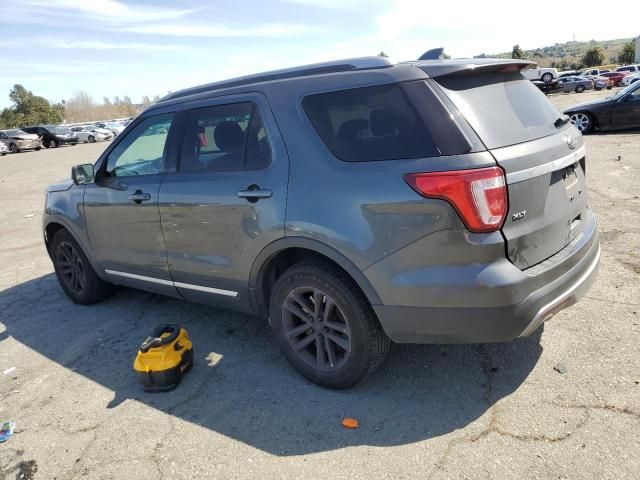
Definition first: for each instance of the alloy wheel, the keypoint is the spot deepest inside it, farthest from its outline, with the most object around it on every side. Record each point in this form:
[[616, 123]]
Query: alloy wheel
[[581, 121], [316, 329], [71, 268], [13, 148], [52, 144]]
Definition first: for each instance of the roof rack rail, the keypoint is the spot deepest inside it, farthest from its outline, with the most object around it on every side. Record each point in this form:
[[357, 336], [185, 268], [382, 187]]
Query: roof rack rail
[[336, 66]]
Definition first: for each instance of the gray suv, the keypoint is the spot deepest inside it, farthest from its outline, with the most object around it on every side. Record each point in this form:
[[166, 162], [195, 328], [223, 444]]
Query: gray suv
[[353, 204]]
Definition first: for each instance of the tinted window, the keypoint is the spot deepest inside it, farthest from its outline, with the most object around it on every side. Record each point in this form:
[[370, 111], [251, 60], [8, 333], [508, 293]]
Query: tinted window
[[503, 108], [385, 122], [142, 151], [224, 138]]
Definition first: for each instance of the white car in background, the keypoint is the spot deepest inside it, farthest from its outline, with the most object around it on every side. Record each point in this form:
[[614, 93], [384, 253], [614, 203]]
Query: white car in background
[[89, 134], [113, 127], [545, 74], [629, 79], [629, 68]]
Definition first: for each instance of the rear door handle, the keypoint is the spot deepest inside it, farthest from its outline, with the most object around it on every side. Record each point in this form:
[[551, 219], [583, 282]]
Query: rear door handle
[[139, 196], [255, 193]]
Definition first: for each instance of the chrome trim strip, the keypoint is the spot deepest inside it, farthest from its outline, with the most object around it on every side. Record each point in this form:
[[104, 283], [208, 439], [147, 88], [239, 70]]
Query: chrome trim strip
[[552, 166], [541, 315], [140, 277], [217, 291]]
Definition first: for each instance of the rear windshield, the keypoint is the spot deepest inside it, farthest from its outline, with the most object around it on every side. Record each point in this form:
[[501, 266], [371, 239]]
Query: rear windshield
[[503, 108], [385, 122]]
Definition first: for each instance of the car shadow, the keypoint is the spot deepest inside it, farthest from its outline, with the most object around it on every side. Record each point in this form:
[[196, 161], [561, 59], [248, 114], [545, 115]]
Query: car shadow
[[242, 387]]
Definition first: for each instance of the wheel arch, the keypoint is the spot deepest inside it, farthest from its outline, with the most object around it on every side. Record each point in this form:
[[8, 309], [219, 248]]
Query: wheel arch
[[281, 254], [53, 226]]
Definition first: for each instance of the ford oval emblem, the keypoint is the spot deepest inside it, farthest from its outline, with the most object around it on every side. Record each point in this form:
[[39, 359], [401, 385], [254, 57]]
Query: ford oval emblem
[[572, 142]]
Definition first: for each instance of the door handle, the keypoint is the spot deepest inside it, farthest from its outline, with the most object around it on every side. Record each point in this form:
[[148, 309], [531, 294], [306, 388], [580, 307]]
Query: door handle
[[139, 196], [254, 193]]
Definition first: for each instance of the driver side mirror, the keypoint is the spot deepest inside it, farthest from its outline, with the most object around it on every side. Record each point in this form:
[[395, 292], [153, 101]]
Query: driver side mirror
[[83, 174]]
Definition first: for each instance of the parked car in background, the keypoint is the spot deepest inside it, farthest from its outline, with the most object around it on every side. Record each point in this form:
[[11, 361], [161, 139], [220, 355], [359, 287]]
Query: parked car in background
[[568, 73], [87, 135], [600, 83], [629, 68], [615, 77], [575, 84], [467, 222], [629, 79], [3, 149], [18, 140], [114, 127], [593, 71], [619, 111], [547, 87], [52, 136], [543, 74]]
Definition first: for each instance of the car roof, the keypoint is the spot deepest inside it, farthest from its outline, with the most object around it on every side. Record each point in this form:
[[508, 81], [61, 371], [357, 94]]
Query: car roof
[[313, 72]]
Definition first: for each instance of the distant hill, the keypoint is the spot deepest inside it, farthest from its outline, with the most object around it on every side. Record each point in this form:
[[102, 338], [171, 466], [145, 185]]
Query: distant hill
[[567, 56]]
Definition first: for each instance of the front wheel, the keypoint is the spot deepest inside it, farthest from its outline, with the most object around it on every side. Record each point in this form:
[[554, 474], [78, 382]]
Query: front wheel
[[13, 148], [582, 121], [547, 77], [325, 326], [92, 139], [53, 144], [75, 274], [579, 88]]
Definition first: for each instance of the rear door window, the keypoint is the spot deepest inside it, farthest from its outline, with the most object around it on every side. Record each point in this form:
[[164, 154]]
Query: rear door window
[[503, 108], [385, 122], [225, 138]]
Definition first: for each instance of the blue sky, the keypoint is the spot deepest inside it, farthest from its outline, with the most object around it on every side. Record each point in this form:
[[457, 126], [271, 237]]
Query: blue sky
[[145, 47]]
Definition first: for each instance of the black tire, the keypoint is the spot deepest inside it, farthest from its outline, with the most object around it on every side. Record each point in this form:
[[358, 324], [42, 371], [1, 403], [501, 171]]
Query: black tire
[[92, 139], [69, 259], [38, 149], [367, 344], [579, 88], [53, 144], [547, 77], [13, 148]]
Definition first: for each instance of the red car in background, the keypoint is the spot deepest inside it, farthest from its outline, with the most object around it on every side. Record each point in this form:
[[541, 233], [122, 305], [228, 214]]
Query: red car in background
[[616, 77]]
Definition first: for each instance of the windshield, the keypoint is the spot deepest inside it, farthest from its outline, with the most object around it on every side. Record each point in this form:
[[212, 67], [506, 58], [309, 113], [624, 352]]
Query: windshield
[[503, 108], [625, 90], [12, 133]]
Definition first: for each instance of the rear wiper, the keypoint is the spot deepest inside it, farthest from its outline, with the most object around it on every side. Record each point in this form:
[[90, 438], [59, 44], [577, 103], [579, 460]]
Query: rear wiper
[[563, 120]]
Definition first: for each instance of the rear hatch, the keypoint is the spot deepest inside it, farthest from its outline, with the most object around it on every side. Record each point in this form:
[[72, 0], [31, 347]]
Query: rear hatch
[[540, 152]]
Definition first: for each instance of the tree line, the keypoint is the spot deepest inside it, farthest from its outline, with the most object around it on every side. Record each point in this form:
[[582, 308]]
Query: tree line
[[593, 57], [30, 109]]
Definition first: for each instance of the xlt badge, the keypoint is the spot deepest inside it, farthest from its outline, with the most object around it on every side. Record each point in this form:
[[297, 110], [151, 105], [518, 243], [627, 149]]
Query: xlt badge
[[518, 216]]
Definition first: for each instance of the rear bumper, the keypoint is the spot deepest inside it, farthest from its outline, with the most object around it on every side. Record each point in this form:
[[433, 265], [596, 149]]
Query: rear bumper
[[467, 320]]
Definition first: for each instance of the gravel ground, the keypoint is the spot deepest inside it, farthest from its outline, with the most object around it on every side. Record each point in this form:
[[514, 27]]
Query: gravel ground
[[474, 411]]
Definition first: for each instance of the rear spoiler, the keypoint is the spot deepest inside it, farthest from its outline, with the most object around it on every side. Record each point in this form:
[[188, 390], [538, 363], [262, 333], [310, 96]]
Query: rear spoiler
[[439, 68]]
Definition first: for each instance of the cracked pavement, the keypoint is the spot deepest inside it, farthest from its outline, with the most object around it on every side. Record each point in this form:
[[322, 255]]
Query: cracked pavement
[[471, 411]]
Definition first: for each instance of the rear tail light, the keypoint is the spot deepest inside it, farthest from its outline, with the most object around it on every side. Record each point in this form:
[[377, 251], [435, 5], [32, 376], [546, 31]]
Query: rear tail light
[[479, 196]]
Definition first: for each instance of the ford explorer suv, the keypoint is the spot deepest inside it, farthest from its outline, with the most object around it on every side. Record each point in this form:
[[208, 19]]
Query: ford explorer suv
[[353, 204]]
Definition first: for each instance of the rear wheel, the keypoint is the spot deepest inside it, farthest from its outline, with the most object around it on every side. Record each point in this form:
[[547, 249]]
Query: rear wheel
[[579, 88], [582, 121], [325, 326], [75, 274]]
